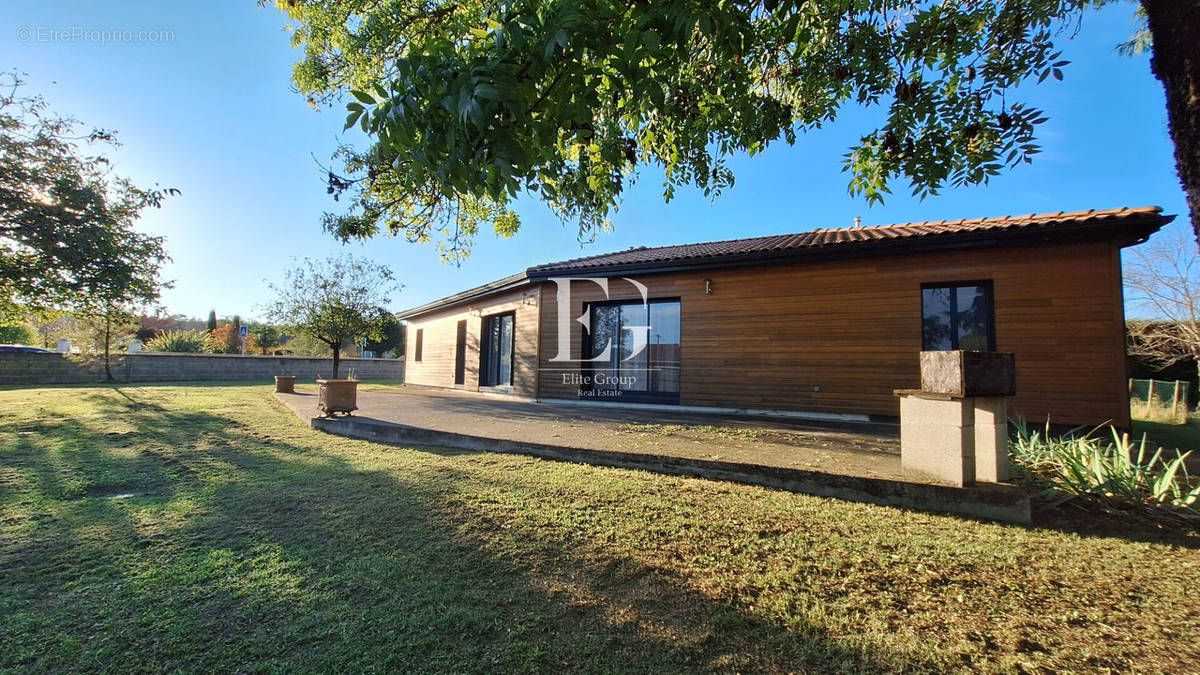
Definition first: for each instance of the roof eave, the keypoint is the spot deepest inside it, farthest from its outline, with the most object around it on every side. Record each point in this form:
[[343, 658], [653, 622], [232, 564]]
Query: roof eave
[[498, 286], [1123, 233]]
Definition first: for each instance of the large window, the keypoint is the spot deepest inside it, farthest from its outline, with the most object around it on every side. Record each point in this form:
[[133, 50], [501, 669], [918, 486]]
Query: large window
[[958, 316], [496, 351], [640, 347]]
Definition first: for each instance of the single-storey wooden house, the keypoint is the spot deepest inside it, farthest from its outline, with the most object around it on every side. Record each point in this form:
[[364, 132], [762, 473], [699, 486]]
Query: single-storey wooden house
[[823, 322]]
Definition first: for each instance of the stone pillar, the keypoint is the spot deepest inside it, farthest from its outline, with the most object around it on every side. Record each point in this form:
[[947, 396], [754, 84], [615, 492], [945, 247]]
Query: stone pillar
[[937, 436], [991, 439]]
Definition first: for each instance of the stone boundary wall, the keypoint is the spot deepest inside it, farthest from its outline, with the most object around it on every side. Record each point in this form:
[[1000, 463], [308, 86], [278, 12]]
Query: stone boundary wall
[[161, 367]]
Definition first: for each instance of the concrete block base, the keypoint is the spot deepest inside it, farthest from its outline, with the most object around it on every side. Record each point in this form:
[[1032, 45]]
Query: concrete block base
[[953, 439], [937, 439], [991, 439]]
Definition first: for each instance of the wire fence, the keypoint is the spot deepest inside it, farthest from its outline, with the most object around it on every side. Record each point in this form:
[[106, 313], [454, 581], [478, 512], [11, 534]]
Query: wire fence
[[1159, 400]]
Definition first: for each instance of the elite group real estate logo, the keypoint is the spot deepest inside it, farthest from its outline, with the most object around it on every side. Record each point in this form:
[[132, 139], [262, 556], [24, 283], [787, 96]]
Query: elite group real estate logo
[[597, 382], [639, 334]]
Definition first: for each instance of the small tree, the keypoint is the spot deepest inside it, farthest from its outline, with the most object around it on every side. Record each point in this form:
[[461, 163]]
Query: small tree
[[1163, 277], [266, 336], [393, 335], [52, 326], [151, 327], [333, 301], [125, 277], [212, 320]]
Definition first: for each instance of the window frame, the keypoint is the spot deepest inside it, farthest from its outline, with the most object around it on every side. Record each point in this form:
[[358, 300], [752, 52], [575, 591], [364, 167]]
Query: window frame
[[419, 347], [588, 367], [953, 286], [483, 352]]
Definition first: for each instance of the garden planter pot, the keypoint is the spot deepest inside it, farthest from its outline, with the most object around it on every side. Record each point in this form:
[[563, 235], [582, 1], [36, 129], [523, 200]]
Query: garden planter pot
[[285, 384], [338, 396]]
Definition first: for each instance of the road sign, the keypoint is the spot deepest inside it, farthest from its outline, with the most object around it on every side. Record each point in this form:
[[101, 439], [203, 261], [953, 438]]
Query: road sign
[[243, 331]]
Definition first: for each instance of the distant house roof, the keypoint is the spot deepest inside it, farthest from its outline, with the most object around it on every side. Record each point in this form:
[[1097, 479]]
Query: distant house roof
[[1125, 226]]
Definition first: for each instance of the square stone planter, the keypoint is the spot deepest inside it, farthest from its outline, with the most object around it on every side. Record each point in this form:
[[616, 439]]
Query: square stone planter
[[337, 396], [285, 384], [965, 374]]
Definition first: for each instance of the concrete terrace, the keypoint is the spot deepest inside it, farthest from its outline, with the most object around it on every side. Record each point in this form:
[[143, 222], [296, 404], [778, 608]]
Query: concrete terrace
[[856, 461], [859, 449]]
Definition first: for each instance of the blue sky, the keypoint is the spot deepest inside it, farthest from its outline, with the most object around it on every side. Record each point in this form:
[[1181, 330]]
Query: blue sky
[[209, 109]]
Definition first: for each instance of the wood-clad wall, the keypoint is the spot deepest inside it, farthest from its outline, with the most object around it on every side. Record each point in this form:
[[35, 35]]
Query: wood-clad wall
[[842, 336], [436, 367]]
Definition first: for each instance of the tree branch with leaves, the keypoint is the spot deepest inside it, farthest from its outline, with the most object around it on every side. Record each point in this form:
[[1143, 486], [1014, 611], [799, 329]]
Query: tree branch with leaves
[[471, 103], [66, 223]]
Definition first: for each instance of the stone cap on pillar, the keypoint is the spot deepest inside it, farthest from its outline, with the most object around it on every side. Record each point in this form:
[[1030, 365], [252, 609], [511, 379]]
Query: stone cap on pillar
[[968, 374], [929, 395]]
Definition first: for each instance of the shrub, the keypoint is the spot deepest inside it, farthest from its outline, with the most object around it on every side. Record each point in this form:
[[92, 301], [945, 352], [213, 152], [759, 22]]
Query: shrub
[[18, 335], [1115, 472], [179, 342], [227, 340]]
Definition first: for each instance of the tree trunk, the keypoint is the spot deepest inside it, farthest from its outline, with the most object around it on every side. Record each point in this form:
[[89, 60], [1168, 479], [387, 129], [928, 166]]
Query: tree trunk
[[107, 339], [337, 357], [1175, 30]]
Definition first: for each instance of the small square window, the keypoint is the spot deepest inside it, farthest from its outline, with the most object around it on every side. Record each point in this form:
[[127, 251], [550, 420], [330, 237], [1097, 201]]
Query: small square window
[[958, 316]]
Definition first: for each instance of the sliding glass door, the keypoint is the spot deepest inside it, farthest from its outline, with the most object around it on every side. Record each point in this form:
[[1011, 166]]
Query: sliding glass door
[[496, 351], [635, 350]]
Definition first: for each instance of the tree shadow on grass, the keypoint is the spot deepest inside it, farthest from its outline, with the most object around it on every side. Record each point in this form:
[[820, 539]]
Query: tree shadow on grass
[[1068, 519], [250, 552]]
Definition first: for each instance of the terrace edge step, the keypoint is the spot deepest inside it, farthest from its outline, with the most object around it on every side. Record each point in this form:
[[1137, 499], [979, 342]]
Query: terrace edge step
[[999, 502]]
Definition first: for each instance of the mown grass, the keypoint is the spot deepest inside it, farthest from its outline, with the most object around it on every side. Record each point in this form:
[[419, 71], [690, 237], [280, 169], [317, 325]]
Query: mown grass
[[253, 543], [1181, 437]]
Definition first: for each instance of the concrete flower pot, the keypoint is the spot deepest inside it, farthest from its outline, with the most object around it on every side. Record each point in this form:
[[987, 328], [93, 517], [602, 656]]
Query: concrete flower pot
[[285, 384], [337, 396], [967, 374]]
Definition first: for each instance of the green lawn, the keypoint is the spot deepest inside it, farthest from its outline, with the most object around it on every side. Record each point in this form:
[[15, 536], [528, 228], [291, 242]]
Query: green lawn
[[1183, 437], [253, 543]]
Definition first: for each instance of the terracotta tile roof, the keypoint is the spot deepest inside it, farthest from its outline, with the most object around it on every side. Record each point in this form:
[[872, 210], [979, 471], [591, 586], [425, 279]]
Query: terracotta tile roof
[[859, 237]]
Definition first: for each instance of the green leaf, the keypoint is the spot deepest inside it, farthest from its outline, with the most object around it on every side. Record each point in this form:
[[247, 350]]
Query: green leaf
[[488, 92], [656, 93], [651, 40]]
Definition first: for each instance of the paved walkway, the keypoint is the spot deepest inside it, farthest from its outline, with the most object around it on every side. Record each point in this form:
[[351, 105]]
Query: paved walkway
[[850, 449]]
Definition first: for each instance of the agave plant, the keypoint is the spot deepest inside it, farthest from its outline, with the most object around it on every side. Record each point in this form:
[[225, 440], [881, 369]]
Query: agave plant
[[1085, 465]]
